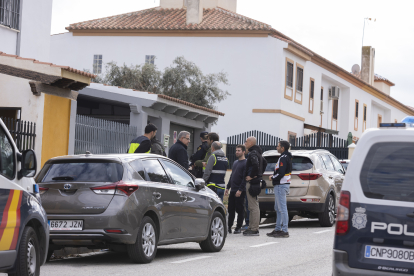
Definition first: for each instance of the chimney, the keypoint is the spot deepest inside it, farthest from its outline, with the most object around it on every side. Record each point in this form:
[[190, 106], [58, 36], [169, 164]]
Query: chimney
[[367, 64], [194, 11]]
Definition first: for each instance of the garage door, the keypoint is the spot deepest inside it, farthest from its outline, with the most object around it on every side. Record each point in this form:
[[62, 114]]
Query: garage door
[[178, 129]]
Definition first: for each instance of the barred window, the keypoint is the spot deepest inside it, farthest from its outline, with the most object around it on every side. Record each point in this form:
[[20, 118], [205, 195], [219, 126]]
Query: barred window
[[299, 81], [356, 109], [97, 63], [150, 59], [312, 89], [335, 110], [365, 113], [10, 13], [289, 75]]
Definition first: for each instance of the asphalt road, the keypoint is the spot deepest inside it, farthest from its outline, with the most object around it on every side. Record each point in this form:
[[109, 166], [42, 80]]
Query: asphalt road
[[308, 251]]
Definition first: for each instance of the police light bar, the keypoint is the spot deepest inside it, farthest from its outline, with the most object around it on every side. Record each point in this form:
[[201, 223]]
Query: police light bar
[[409, 121], [392, 125]]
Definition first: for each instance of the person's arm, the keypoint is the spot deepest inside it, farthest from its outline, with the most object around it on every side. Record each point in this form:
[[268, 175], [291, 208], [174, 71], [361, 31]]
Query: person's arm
[[209, 168], [144, 147], [255, 164], [277, 176], [264, 164], [243, 184], [229, 183], [199, 163]]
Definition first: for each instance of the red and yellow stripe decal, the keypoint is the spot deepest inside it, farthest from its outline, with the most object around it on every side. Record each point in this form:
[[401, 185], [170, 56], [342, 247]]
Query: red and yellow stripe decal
[[10, 223]]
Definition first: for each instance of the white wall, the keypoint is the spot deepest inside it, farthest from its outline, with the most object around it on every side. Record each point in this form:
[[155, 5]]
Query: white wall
[[8, 40], [20, 95]]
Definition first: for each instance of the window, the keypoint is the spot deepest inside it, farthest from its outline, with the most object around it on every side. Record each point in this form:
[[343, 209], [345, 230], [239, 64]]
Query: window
[[387, 172], [138, 167], [150, 60], [328, 163], [10, 13], [299, 163], [7, 161], [289, 79], [322, 99], [311, 95], [178, 176], [356, 115], [289, 75], [335, 109], [155, 171], [83, 171], [299, 83], [364, 124], [337, 165], [97, 64]]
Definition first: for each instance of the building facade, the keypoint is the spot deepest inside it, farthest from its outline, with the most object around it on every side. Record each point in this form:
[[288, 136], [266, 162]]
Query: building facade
[[277, 85]]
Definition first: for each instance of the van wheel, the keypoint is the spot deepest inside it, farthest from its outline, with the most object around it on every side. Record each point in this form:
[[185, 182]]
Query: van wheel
[[28, 256], [327, 218], [145, 248], [216, 235]]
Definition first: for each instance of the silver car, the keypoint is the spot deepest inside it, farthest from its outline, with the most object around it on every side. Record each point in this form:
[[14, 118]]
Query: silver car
[[128, 202]]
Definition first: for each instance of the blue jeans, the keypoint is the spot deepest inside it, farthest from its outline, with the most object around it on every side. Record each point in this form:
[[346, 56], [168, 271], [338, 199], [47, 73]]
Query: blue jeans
[[282, 219], [220, 193]]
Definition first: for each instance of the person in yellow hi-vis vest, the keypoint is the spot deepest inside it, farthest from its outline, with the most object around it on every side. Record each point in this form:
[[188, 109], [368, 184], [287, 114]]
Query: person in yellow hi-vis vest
[[142, 144]]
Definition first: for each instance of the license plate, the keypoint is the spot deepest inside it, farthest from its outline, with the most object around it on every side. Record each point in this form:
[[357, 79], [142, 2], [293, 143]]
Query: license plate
[[389, 253], [66, 224], [270, 192]]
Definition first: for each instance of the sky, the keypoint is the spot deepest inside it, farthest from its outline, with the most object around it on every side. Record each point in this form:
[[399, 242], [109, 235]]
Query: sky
[[333, 29]]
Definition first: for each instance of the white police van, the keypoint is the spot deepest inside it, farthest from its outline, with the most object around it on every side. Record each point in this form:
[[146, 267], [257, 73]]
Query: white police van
[[375, 217]]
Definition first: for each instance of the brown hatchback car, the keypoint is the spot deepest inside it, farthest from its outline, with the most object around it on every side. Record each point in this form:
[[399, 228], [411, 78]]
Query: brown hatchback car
[[316, 183]]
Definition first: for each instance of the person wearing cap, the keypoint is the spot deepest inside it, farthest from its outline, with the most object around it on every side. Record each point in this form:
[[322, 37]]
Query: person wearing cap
[[142, 144], [199, 155]]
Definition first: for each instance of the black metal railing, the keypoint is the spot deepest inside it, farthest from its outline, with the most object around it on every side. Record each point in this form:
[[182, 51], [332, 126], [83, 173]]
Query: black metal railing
[[23, 133]]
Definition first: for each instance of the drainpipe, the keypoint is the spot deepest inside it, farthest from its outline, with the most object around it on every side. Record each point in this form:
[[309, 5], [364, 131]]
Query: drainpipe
[[20, 31]]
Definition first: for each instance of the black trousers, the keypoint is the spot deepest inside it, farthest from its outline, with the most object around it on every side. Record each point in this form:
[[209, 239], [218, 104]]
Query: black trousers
[[236, 204]]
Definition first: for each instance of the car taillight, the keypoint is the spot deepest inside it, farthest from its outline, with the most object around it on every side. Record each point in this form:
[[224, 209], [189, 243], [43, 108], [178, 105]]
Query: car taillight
[[119, 188], [309, 176], [310, 199], [43, 190], [342, 217], [116, 231]]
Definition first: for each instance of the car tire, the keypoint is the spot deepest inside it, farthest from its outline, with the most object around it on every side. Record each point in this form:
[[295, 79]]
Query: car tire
[[145, 247], [28, 255], [216, 234], [327, 218]]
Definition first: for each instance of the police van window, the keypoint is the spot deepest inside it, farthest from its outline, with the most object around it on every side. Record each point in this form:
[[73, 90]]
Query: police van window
[[138, 167], [155, 171], [388, 172], [178, 176], [328, 163], [299, 163], [7, 161]]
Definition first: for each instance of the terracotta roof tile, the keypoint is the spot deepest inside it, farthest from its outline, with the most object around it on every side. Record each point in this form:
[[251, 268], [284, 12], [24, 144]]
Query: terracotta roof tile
[[376, 78], [172, 19], [67, 68]]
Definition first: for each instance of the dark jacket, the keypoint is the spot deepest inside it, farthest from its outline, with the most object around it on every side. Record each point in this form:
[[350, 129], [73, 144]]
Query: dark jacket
[[237, 180], [140, 144], [216, 168], [283, 169], [200, 153], [178, 153], [255, 164], [157, 147]]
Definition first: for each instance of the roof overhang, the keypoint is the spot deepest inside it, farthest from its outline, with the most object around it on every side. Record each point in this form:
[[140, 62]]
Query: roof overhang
[[320, 129]]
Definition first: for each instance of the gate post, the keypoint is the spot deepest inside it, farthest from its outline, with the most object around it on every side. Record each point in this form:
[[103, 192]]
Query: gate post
[[351, 149]]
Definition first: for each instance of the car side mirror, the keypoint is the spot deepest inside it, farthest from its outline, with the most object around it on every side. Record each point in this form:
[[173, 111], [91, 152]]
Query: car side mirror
[[29, 164], [199, 184]]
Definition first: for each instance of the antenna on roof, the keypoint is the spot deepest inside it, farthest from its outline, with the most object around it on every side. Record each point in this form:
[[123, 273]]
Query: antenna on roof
[[356, 69]]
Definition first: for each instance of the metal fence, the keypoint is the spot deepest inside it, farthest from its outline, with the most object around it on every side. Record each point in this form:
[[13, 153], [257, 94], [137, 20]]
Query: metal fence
[[100, 136], [335, 145], [23, 133]]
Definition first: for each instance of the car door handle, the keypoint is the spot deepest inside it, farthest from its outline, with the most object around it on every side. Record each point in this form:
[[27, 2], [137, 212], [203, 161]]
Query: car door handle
[[410, 215], [330, 177], [157, 195]]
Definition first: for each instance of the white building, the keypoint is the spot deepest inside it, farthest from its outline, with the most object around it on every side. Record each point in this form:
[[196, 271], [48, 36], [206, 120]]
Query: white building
[[25, 28], [277, 85]]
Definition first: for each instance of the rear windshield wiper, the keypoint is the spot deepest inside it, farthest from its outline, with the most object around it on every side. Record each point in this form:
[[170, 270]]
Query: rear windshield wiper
[[63, 178]]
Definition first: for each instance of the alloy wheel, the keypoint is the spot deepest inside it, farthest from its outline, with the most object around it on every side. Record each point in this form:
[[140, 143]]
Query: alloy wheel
[[217, 232], [31, 258], [148, 239], [331, 210]]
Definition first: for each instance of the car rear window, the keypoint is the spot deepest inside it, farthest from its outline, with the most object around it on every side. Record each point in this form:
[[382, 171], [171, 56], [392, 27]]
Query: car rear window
[[82, 172], [388, 172], [299, 163]]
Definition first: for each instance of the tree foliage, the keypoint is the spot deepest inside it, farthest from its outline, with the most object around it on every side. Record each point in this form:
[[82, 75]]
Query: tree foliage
[[182, 80]]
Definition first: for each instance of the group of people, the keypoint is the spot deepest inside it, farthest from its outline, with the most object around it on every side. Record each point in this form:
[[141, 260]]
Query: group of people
[[246, 179]]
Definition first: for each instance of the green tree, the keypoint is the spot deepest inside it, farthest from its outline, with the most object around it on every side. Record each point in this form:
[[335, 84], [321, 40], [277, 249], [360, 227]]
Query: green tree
[[182, 80]]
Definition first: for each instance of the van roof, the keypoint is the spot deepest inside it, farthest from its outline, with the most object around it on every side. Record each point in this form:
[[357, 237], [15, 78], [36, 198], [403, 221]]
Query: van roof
[[295, 152]]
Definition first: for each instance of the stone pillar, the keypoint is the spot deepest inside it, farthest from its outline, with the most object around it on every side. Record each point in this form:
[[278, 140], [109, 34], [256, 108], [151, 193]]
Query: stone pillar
[[72, 126], [351, 149]]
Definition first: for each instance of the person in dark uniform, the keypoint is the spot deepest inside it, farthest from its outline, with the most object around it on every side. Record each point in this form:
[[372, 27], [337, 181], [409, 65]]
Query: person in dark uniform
[[142, 144], [199, 155]]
